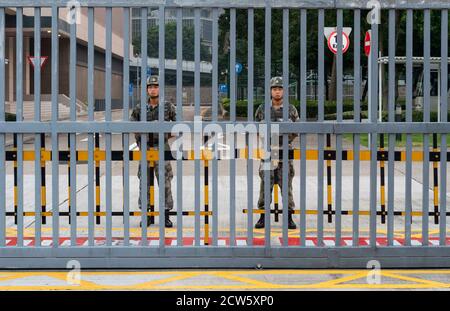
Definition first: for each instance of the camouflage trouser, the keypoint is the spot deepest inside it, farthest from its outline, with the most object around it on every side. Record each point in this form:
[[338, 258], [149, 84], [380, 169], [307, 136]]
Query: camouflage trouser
[[278, 173], [167, 184]]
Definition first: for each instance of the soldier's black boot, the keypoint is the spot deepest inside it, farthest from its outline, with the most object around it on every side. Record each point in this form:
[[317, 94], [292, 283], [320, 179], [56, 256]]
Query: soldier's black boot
[[291, 223], [260, 223], [169, 223], [149, 222]]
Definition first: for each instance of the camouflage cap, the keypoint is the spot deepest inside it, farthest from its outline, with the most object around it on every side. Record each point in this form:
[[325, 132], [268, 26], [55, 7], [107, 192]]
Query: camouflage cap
[[153, 80], [276, 82]]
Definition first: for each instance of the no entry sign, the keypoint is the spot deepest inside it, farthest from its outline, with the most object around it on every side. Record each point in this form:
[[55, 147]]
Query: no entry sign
[[367, 43]]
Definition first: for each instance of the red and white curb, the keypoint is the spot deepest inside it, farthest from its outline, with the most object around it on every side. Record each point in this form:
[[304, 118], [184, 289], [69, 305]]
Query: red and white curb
[[221, 241]]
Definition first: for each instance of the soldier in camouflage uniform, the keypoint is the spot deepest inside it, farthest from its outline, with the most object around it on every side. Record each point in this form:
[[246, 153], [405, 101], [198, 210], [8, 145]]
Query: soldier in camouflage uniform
[[276, 111], [152, 142]]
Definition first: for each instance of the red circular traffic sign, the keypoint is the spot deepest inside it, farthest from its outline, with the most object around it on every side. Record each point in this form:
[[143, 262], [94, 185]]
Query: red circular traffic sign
[[332, 42], [367, 43]]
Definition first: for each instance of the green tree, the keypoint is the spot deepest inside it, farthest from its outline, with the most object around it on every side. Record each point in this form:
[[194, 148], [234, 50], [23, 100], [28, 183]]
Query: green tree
[[171, 43]]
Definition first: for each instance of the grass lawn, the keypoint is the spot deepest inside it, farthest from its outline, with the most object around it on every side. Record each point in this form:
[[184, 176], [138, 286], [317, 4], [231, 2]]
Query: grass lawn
[[417, 140]]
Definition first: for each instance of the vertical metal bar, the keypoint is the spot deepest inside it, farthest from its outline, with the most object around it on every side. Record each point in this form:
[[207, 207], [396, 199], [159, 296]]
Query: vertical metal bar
[[250, 146], [339, 109], [108, 138], [55, 140], [215, 102], [91, 225], [391, 152], [357, 119], [409, 98], [267, 117], [179, 118], [426, 137], [161, 134], [2, 136], [232, 141], [320, 118], [285, 163], [197, 140], [72, 136], [126, 136], [303, 137], [444, 109], [373, 136], [19, 118], [143, 180], [37, 118]]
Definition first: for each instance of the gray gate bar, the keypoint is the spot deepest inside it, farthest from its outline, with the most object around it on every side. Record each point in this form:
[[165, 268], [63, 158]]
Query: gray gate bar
[[198, 139], [373, 137], [179, 99], [143, 147], [285, 163], [339, 110], [356, 118], [37, 118], [215, 104], [391, 116], [19, 118], [409, 94], [320, 118], [162, 104], [267, 119], [108, 138], [426, 137], [91, 230], [303, 59], [250, 136], [72, 136], [126, 136], [55, 136], [2, 136], [444, 107], [232, 142]]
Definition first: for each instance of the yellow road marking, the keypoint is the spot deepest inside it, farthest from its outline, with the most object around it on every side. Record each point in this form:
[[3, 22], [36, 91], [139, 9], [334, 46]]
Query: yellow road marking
[[413, 279], [234, 275], [243, 279], [153, 283]]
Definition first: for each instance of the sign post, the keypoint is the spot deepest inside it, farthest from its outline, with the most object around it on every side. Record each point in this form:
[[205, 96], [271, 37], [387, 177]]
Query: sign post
[[367, 48]]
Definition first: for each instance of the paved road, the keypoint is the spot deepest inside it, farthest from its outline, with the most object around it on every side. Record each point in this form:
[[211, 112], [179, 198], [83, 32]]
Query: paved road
[[189, 280]]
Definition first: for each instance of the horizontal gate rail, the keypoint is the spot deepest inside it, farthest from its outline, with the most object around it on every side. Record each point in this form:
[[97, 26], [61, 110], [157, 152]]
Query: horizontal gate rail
[[306, 4]]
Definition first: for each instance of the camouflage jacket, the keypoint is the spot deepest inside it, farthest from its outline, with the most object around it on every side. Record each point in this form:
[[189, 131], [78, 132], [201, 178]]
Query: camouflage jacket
[[277, 116], [153, 115]]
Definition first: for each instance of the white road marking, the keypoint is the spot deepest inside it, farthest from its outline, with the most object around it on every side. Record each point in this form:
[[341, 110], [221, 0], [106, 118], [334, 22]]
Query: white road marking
[[329, 242]]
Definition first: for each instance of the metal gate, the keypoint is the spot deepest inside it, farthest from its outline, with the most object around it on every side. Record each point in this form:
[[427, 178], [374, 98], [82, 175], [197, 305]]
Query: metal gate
[[112, 237]]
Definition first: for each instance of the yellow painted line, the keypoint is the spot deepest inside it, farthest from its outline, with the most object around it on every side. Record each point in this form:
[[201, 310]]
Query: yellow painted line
[[83, 283], [153, 283], [235, 275], [348, 278], [243, 279], [413, 279], [383, 286]]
